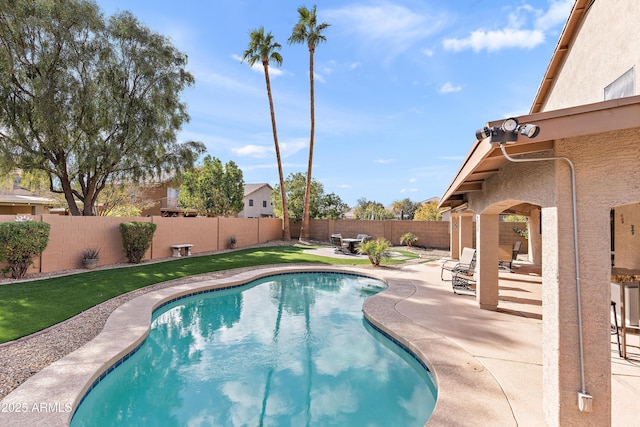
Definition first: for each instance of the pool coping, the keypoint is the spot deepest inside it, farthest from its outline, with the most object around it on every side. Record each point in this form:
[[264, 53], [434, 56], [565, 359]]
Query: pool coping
[[50, 397]]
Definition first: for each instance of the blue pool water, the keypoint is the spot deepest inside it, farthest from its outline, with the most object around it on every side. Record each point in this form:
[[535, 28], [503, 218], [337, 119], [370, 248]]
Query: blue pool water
[[286, 350]]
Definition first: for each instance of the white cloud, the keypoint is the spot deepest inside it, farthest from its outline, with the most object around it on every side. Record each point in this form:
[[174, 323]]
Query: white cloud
[[409, 190], [385, 161], [448, 87], [496, 40], [426, 52], [259, 68], [515, 34], [557, 14], [288, 148], [355, 65], [413, 180], [251, 150], [385, 26]]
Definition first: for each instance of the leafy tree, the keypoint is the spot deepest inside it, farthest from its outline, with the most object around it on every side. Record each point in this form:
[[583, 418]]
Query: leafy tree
[[262, 48], [405, 208], [122, 200], [428, 212], [368, 209], [322, 205], [213, 189], [88, 101], [308, 31], [331, 206]]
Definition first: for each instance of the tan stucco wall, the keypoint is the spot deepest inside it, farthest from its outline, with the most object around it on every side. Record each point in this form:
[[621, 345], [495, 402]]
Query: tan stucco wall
[[627, 236], [263, 194], [608, 39], [607, 176]]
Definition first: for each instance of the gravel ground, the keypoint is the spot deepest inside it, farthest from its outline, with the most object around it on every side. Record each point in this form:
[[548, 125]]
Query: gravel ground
[[26, 356]]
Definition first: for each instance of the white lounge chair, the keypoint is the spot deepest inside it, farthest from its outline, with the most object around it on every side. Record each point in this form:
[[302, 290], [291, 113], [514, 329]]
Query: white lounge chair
[[462, 265]]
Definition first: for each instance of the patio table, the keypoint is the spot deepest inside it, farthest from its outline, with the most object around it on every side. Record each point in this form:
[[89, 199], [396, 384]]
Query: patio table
[[352, 244]]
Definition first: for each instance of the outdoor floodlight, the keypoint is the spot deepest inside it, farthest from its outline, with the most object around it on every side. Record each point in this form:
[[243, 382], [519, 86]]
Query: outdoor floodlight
[[483, 133], [507, 132], [509, 125], [529, 130]]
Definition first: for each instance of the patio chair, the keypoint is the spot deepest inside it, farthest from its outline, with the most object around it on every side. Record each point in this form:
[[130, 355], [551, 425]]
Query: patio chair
[[463, 265], [515, 250], [464, 281], [338, 245]]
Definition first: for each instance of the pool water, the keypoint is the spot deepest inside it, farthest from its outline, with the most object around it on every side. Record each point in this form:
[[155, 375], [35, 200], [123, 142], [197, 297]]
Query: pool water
[[286, 350]]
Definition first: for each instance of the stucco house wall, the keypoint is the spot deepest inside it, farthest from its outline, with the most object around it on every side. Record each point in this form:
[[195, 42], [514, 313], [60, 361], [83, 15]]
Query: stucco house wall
[[607, 46], [602, 139], [260, 195]]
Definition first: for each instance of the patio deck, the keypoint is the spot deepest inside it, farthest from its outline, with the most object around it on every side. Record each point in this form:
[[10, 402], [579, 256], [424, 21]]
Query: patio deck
[[487, 364]]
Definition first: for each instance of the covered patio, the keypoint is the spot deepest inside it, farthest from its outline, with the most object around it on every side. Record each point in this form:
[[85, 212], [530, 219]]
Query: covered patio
[[580, 169]]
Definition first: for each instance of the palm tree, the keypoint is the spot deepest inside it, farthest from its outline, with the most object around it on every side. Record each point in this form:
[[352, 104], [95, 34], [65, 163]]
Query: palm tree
[[307, 30], [262, 48]]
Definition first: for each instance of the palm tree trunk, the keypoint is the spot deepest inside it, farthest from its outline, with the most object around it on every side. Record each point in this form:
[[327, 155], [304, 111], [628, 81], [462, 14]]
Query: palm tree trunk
[[285, 210], [304, 233]]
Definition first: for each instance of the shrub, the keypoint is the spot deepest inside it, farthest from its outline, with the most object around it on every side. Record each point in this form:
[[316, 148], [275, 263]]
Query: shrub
[[20, 242], [136, 239], [376, 250], [408, 239], [91, 253]]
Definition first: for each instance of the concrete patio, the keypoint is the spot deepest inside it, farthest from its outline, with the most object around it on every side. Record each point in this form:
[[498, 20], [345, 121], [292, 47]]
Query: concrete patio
[[487, 364]]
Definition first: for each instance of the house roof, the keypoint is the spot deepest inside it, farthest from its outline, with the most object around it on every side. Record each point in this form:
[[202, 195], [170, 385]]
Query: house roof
[[20, 196], [252, 188], [567, 37], [485, 159]]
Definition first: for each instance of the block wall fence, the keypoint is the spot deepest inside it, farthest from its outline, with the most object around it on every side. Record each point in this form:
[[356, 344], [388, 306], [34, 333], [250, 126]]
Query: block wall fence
[[71, 235]]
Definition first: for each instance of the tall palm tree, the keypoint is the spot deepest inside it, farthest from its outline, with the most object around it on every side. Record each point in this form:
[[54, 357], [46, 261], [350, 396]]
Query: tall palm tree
[[308, 31], [263, 48]]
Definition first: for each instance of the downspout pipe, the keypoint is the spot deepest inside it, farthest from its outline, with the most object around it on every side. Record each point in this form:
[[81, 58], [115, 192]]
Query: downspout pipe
[[583, 392]]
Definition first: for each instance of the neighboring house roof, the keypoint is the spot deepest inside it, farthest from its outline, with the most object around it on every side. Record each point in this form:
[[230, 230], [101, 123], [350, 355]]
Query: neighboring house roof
[[567, 37], [252, 188], [20, 196]]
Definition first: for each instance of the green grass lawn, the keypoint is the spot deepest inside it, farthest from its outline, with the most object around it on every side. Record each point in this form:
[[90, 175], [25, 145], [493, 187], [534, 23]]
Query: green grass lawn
[[29, 307]]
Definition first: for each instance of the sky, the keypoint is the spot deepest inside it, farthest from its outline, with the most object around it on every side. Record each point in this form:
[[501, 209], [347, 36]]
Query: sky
[[401, 86]]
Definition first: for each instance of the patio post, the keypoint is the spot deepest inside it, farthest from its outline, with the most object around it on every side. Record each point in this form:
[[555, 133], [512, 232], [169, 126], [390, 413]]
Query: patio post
[[487, 240]]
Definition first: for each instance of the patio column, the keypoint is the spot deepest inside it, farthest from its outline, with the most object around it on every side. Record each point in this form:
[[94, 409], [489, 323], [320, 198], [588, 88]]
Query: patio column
[[535, 237], [561, 374], [487, 240], [454, 236], [466, 231]]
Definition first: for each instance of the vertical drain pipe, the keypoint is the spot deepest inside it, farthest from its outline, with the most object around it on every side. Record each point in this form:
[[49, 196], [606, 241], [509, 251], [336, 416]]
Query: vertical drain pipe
[[584, 398]]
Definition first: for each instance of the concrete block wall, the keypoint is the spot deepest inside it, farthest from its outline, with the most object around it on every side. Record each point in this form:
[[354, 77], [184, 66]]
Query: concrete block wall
[[71, 235]]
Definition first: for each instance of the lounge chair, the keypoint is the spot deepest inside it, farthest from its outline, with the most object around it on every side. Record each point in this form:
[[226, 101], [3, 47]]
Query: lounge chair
[[463, 265], [339, 245], [464, 281]]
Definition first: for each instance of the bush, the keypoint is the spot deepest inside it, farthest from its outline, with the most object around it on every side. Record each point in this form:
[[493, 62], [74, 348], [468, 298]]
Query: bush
[[136, 239], [376, 250], [20, 242], [408, 239]]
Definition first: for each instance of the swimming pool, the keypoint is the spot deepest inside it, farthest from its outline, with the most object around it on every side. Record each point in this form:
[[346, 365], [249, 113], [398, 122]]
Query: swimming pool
[[289, 349]]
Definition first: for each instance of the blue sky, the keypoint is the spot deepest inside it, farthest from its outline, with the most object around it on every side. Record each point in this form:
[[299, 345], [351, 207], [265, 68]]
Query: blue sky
[[401, 86]]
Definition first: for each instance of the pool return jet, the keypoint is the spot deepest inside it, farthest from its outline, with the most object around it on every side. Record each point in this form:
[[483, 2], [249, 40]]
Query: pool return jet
[[507, 133]]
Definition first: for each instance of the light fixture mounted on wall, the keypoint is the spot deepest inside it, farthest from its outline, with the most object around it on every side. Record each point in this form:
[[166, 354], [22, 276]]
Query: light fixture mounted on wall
[[507, 132]]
